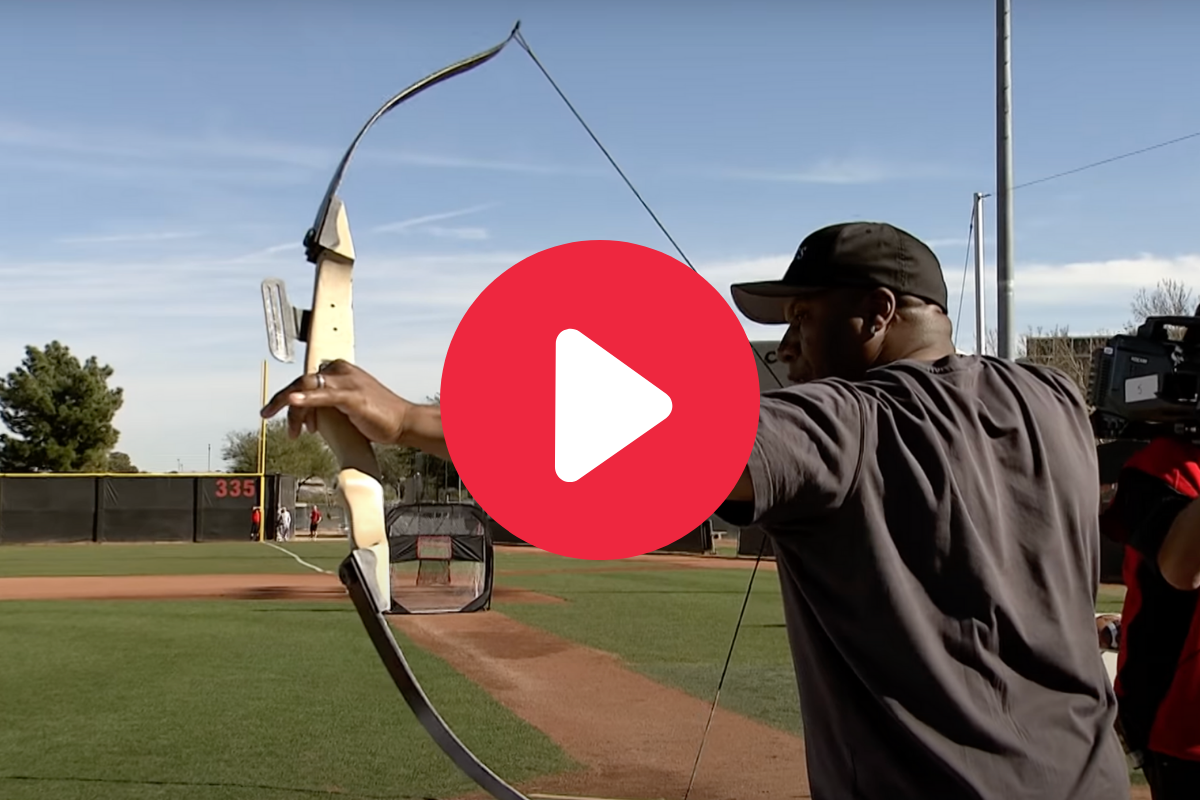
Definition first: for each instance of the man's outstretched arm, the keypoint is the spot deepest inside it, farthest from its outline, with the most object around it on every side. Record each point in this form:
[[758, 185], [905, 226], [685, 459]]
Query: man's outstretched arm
[[422, 429], [382, 415]]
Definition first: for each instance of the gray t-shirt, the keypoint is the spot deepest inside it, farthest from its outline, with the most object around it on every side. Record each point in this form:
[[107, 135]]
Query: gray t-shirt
[[936, 532]]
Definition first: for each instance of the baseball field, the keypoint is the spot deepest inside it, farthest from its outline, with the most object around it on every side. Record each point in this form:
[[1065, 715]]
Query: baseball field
[[235, 671]]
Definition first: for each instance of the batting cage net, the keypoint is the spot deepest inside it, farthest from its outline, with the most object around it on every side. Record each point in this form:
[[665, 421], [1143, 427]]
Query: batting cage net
[[441, 558]]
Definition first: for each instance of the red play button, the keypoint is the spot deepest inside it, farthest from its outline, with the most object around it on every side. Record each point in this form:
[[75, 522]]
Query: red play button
[[600, 399]]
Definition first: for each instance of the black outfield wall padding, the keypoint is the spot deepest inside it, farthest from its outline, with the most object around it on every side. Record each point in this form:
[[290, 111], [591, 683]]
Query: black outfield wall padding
[[280, 493], [500, 535], [223, 507], [699, 540], [146, 510], [53, 509], [751, 539], [47, 510]]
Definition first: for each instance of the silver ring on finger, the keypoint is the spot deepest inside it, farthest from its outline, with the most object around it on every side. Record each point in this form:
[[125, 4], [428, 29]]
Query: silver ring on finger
[[320, 381]]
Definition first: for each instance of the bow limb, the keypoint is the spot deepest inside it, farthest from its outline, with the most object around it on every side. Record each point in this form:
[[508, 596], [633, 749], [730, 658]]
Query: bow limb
[[367, 572], [353, 574], [329, 332]]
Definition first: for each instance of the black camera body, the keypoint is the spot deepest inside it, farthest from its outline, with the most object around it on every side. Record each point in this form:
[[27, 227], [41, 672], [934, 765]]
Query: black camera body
[[1146, 384]]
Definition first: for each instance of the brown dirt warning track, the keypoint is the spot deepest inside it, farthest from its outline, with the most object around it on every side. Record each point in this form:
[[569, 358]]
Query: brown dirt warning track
[[638, 738]]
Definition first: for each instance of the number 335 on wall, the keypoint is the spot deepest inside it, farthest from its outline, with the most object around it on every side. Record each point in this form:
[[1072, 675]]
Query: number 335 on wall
[[234, 488]]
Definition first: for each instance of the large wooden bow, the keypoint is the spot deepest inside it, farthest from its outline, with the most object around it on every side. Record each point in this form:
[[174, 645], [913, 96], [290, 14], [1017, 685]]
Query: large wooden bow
[[328, 330]]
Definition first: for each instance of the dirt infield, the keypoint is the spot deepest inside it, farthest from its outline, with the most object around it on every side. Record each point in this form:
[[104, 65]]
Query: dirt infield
[[175, 587], [639, 739], [199, 587]]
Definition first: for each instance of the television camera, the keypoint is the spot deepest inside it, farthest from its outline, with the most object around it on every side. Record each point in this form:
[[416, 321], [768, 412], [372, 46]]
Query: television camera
[[1145, 384]]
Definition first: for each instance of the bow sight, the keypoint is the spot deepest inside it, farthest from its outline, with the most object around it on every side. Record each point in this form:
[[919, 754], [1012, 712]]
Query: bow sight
[[1146, 384]]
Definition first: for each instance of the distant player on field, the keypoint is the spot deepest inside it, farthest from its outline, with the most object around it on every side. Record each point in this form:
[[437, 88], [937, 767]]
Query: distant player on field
[[283, 525]]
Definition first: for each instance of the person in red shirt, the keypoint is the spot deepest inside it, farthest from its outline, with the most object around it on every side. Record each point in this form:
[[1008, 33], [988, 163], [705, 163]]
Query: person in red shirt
[[1156, 515], [314, 520], [255, 522]]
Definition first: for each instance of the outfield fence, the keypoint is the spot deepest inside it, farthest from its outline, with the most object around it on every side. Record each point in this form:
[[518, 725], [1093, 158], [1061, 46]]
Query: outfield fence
[[48, 508], [200, 507]]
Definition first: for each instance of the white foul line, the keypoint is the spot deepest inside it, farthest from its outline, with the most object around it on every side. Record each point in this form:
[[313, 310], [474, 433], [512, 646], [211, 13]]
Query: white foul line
[[298, 558]]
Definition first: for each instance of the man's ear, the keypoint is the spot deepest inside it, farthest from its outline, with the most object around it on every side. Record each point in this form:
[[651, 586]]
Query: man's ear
[[879, 309]]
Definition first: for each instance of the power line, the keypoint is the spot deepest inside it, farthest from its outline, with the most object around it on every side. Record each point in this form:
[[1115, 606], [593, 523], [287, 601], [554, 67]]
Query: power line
[[962, 292], [1108, 160]]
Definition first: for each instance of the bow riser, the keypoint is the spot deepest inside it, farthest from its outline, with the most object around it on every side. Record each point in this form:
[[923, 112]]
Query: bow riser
[[330, 337]]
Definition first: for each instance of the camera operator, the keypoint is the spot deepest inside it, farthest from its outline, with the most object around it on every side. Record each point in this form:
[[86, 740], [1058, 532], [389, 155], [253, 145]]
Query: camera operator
[[1156, 515]]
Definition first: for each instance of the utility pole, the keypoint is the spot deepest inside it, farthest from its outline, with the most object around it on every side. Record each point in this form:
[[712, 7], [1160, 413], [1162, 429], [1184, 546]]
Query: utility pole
[[1006, 336], [262, 457], [980, 294]]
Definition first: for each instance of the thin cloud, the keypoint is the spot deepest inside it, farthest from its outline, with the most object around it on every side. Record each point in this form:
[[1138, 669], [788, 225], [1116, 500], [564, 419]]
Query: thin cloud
[[129, 238], [417, 222], [470, 234], [958, 241], [458, 162], [1108, 283], [156, 172], [1085, 295], [848, 171], [265, 253], [141, 145], [1113, 280], [125, 154], [144, 146]]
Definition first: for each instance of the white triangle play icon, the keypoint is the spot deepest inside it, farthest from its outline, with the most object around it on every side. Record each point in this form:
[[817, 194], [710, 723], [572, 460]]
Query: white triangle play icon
[[601, 406]]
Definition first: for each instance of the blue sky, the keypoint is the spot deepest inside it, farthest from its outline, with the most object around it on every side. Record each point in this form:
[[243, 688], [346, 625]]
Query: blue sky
[[158, 160]]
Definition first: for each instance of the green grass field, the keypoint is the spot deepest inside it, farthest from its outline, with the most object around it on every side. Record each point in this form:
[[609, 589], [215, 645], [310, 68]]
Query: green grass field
[[1110, 599], [214, 699], [212, 558]]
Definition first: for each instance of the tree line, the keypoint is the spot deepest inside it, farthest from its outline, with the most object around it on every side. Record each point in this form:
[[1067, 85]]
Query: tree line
[[1058, 349], [57, 415]]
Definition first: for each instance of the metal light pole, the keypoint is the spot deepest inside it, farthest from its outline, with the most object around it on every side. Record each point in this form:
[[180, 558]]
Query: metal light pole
[[1006, 335], [980, 327], [262, 458]]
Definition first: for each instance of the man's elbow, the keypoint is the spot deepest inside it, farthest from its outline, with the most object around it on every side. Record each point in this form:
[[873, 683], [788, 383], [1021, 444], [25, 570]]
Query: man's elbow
[[743, 490], [1181, 573], [1179, 556]]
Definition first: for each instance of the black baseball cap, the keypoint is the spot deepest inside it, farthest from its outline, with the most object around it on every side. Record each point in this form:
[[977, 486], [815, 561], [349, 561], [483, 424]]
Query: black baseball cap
[[848, 254]]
